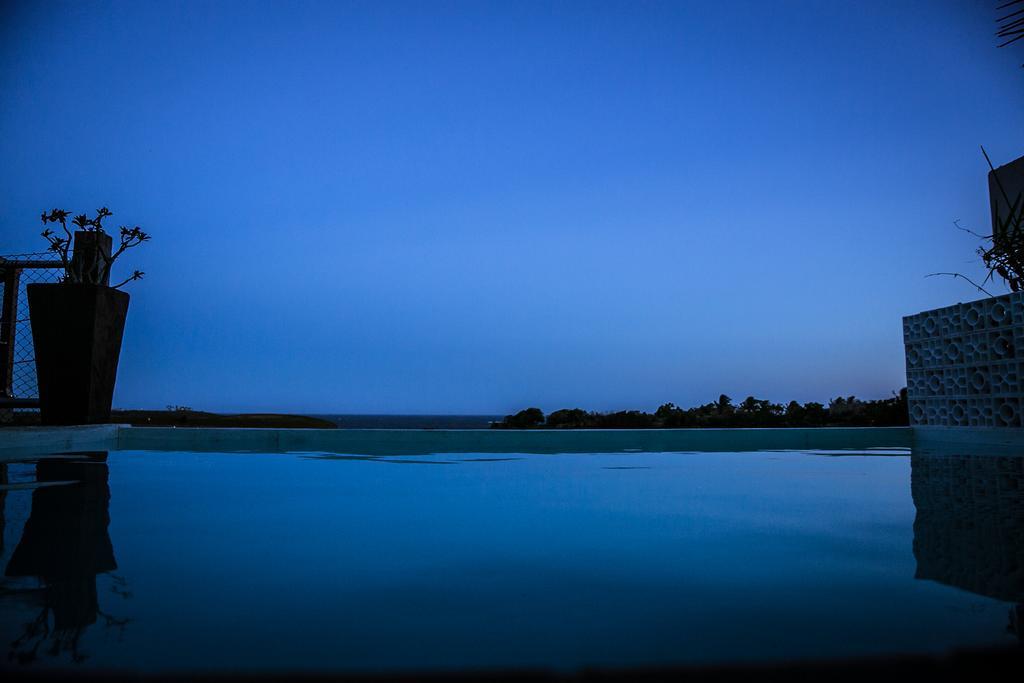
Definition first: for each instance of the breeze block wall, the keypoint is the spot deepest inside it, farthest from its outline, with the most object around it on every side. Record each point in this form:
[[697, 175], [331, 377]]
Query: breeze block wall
[[965, 364]]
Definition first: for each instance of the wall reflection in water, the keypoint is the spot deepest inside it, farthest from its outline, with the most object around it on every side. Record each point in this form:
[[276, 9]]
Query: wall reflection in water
[[969, 527], [65, 545]]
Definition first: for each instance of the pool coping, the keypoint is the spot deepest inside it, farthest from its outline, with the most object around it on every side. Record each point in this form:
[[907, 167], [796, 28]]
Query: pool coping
[[18, 441], [413, 442]]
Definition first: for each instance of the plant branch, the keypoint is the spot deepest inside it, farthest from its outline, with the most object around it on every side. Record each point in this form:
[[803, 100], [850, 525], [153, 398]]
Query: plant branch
[[137, 275], [956, 275], [969, 231]]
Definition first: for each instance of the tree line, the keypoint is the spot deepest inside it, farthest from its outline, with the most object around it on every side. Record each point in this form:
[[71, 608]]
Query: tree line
[[848, 411]]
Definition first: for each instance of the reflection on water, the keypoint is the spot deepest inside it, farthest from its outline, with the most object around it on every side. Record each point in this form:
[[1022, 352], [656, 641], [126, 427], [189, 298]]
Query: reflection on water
[[65, 545], [347, 563], [3, 506], [969, 527]]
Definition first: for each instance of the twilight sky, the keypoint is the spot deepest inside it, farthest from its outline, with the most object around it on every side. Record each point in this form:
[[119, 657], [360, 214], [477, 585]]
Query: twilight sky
[[436, 207]]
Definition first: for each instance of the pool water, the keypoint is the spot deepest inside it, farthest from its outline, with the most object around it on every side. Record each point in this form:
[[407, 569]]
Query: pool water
[[171, 561]]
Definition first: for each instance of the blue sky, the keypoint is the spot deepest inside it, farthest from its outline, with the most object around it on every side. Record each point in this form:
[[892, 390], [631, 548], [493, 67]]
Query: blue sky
[[475, 207]]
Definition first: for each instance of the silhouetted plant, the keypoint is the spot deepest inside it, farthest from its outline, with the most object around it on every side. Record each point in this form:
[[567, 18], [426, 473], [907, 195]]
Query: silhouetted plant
[[1005, 256], [1003, 251], [97, 269], [1011, 26]]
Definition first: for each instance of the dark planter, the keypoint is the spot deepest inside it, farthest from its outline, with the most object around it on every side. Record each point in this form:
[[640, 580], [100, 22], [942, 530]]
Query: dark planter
[[76, 331]]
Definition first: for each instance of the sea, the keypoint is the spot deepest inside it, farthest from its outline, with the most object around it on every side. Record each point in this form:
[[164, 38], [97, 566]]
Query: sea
[[412, 421]]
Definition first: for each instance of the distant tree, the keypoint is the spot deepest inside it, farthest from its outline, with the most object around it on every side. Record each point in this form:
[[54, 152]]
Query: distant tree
[[795, 414], [670, 415], [724, 405], [841, 408], [751, 412], [666, 410], [815, 414], [569, 419], [524, 419], [626, 419]]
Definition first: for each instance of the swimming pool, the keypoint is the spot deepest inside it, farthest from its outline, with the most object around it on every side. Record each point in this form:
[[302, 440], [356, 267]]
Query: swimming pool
[[147, 560]]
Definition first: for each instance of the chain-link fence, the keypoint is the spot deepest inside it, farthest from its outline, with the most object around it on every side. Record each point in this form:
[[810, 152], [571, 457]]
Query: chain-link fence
[[18, 385]]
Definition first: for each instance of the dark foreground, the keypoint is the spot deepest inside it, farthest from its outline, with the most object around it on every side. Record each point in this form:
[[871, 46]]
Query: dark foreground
[[978, 665]]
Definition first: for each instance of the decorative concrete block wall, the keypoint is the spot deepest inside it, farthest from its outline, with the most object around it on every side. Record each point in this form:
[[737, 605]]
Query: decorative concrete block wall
[[965, 364]]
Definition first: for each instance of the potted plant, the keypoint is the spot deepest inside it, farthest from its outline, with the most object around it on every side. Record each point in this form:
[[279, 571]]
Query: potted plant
[[77, 323]]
